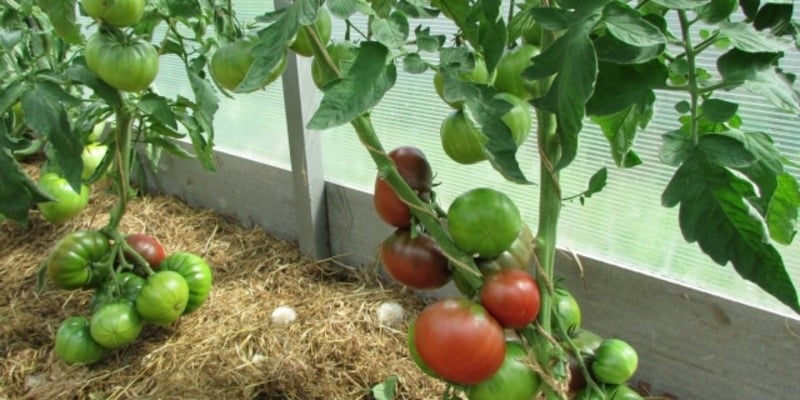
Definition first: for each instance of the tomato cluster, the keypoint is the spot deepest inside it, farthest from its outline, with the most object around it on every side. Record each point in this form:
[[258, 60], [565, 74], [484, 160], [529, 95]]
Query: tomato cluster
[[134, 283]]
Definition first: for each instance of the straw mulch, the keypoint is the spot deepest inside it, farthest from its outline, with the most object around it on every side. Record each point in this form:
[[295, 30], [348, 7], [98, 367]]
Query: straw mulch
[[230, 348]]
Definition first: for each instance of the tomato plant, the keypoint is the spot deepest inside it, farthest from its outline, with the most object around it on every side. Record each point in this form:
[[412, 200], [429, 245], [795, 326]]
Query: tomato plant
[[130, 65], [115, 12], [197, 273], [515, 380], [615, 361], [459, 341], [483, 221], [163, 298], [76, 260], [511, 296], [414, 169], [116, 324], [67, 203], [74, 342], [148, 247], [415, 260]]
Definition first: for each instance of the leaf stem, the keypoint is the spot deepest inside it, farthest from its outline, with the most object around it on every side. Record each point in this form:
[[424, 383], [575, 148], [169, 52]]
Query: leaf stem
[[694, 91]]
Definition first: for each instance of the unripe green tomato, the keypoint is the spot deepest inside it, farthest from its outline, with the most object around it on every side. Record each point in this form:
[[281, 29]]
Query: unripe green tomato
[[230, 64], [483, 221], [342, 54], [92, 155], [130, 66], [302, 43], [478, 74], [615, 361], [74, 342], [515, 380], [116, 324], [509, 71], [119, 13], [67, 204], [533, 35]]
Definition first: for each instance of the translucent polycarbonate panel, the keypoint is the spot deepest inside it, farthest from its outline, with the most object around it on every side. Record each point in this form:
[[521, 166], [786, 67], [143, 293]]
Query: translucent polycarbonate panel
[[624, 224]]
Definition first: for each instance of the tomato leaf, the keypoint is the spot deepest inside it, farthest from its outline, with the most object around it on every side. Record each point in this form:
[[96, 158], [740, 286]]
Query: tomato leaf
[[11, 95], [207, 105], [491, 31], [345, 8], [79, 73], [725, 150], [627, 25], [18, 191], [782, 212], [157, 107], [620, 130], [749, 8], [718, 110], [573, 60], [359, 90], [596, 184], [757, 73], [414, 64], [386, 389], [676, 147], [765, 170], [416, 9], [681, 4], [391, 31], [426, 41], [46, 115], [775, 15], [714, 213], [717, 11], [62, 15], [744, 37]]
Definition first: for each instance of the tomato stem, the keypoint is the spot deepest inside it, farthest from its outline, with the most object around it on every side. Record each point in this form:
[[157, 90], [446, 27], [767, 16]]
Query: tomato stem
[[121, 164], [692, 73]]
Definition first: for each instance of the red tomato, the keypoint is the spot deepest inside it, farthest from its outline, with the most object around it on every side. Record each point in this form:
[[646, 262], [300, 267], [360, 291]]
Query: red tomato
[[148, 247], [512, 297], [416, 171], [459, 341], [415, 262]]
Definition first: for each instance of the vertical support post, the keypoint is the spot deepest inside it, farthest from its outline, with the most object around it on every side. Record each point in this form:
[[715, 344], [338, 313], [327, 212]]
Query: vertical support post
[[305, 151]]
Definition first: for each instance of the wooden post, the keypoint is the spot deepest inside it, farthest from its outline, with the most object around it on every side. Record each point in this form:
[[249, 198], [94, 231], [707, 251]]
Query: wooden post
[[305, 151]]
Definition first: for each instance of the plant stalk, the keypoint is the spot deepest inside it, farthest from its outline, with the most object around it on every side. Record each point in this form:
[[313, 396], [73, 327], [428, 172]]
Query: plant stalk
[[694, 92], [121, 164]]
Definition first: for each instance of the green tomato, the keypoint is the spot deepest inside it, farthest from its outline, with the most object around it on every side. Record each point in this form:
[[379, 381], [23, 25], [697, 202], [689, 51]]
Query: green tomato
[[129, 285], [92, 156], [342, 54], [74, 342], [197, 274], [533, 35], [478, 74], [231, 62], [115, 12], [163, 298], [464, 143], [302, 43], [130, 66], [509, 72], [484, 221], [622, 392], [567, 309], [67, 204], [516, 256], [116, 324], [515, 380], [615, 361], [73, 262]]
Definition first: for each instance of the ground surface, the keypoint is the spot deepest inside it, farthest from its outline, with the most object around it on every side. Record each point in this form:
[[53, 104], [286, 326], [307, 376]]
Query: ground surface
[[230, 348]]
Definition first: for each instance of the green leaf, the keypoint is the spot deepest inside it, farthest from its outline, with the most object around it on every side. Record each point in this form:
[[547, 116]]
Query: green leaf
[[343, 8], [715, 214], [611, 49], [718, 110], [620, 130], [749, 8], [683, 107], [207, 105], [157, 107], [717, 11], [597, 182], [744, 37], [10, 95], [18, 191], [428, 42], [627, 25], [681, 4], [573, 60], [61, 14], [782, 212], [620, 86], [359, 90], [78, 72], [676, 146], [183, 9], [391, 31], [776, 15], [555, 19], [725, 150], [273, 41], [416, 9], [171, 147], [757, 73], [385, 390], [414, 64], [45, 114], [9, 38], [491, 31]]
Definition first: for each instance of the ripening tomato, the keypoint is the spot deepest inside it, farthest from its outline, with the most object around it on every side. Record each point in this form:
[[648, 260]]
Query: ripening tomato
[[416, 171], [460, 341], [67, 204], [74, 342], [515, 380], [511, 296], [130, 65], [483, 221], [416, 262], [115, 12], [302, 42], [148, 247], [75, 259], [615, 361]]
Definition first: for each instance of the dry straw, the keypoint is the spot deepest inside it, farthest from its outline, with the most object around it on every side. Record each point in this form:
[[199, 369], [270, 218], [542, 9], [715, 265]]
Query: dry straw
[[228, 349]]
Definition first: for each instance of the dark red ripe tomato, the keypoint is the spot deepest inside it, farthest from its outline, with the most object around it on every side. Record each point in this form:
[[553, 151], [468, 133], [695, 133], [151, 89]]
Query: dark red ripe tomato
[[415, 262], [459, 341], [416, 171], [512, 297], [148, 247]]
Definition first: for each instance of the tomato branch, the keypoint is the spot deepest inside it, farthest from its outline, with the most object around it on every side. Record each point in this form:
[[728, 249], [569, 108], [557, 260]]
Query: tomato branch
[[121, 164], [692, 78]]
